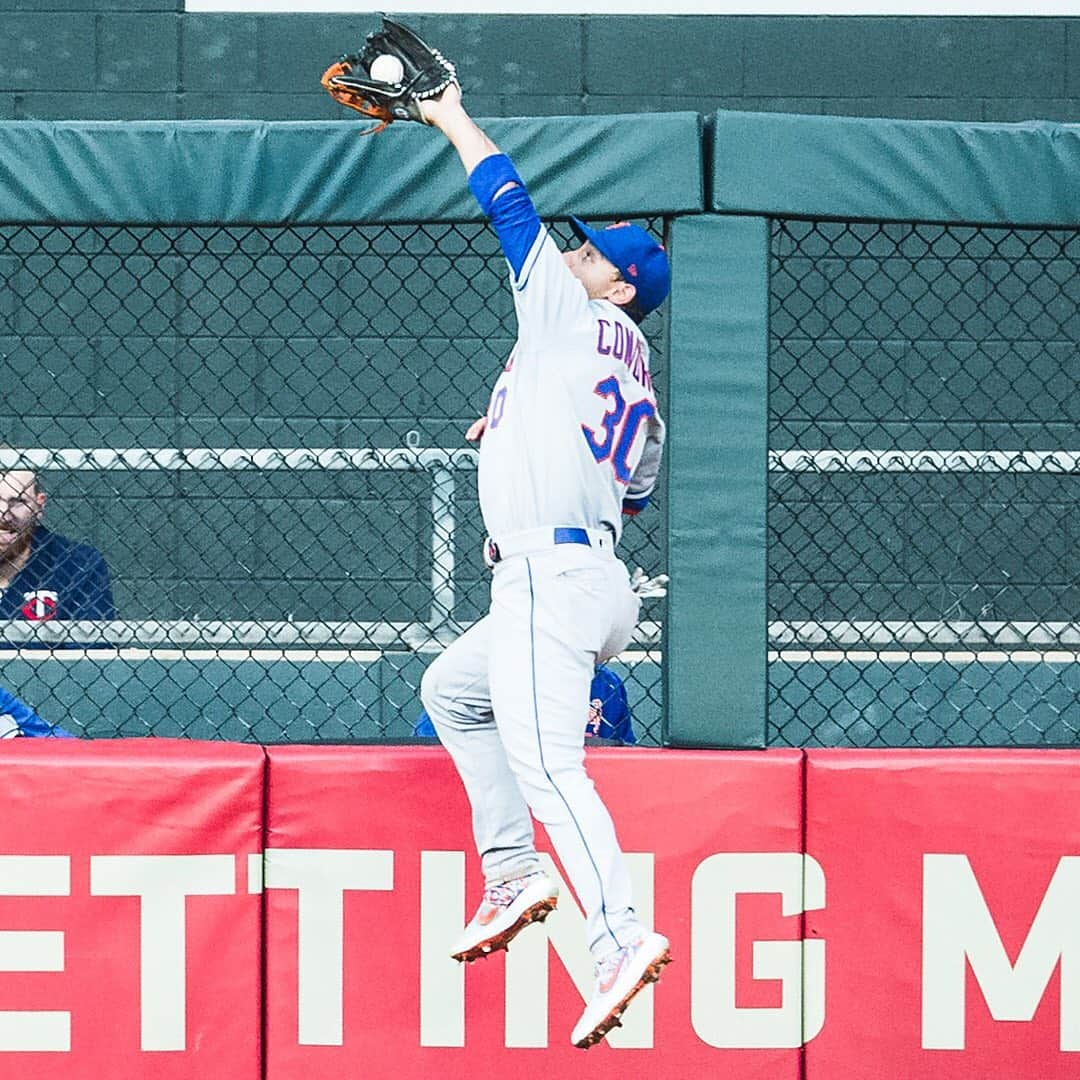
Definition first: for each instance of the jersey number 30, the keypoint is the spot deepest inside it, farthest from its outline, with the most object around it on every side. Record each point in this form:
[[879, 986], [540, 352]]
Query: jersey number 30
[[619, 427]]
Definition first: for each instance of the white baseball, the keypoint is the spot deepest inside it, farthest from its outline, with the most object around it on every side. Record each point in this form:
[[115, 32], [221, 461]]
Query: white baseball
[[387, 68]]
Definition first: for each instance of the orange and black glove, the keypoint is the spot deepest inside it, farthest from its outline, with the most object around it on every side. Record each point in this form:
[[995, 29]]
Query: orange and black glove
[[390, 76]]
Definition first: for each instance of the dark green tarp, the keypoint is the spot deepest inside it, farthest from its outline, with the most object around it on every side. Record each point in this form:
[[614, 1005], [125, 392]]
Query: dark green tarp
[[195, 172], [896, 170]]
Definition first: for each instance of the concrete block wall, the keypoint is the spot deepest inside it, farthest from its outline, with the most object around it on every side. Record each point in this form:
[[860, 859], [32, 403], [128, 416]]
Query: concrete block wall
[[148, 59]]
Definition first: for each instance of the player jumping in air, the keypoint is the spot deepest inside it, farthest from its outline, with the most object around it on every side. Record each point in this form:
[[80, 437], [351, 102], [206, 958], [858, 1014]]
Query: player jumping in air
[[573, 440]]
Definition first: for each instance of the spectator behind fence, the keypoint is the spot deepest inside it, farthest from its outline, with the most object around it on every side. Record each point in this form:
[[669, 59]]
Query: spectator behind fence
[[17, 720], [43, 575], [608, 716]]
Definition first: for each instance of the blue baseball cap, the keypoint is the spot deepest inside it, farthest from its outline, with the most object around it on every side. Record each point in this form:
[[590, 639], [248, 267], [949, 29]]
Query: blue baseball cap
[[636, 255]]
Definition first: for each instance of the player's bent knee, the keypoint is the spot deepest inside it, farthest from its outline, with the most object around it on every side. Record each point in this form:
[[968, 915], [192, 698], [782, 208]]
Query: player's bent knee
[[439, 692]]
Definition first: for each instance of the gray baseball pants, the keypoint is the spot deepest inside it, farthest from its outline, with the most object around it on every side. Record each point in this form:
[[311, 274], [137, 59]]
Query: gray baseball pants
[[509, 700]]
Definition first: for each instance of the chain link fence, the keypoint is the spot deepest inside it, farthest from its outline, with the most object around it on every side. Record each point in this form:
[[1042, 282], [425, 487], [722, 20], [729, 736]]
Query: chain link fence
[[924, 485], [261, 431]]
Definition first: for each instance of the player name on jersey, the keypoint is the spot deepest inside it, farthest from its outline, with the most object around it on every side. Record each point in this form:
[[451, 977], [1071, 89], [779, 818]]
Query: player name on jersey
[[618, 341]]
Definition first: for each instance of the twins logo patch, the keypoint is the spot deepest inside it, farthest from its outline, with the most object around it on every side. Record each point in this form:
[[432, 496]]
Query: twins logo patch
[[40, 605]]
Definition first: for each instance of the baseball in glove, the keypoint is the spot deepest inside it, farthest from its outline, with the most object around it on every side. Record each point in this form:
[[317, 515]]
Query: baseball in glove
[[390, 76]]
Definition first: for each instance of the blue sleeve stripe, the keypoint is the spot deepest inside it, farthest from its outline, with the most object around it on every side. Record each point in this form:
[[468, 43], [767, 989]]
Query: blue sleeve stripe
[[512, 214], [634, 506]]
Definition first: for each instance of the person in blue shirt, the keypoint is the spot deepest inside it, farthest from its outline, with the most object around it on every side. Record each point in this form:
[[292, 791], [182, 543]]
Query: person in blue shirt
[[609, 709], [608, 716], [18, 719], [44, 575]]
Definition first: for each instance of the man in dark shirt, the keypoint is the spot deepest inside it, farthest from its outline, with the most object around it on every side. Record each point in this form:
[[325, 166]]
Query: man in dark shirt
[[43, 575]]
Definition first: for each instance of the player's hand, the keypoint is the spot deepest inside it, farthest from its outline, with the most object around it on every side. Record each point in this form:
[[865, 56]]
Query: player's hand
[[436, 110], [476, 429], [648, 587]]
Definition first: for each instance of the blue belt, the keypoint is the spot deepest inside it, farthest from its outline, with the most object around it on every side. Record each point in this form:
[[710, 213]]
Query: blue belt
[[537, 539], [572, 536]]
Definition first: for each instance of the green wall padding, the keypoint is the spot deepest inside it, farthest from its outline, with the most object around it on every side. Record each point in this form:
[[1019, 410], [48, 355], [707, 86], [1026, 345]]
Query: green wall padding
[[715, 634], [284, 172], [896, 170]]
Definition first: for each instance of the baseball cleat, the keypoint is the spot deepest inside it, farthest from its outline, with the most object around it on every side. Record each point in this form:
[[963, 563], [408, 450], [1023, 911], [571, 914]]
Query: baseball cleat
[[505, 910], [619, 978]]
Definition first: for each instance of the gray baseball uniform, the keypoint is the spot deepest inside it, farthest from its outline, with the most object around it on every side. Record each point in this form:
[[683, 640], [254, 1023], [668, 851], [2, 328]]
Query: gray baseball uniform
[[573, 441]]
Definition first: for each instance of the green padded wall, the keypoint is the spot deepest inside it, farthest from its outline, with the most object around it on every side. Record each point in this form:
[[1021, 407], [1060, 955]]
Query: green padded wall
[[715, 632], [896, 170], [221, 172]]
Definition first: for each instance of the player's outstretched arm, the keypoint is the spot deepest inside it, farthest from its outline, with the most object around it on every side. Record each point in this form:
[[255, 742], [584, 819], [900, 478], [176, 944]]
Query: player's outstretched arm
[[557, 297], [494, 181], [448, 114]]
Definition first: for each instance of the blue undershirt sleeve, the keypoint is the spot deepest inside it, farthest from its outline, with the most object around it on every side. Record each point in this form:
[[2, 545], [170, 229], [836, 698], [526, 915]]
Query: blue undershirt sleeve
[[512, 213]]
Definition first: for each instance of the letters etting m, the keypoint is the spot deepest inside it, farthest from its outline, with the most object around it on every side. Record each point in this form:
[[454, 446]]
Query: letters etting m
[[958, 930]]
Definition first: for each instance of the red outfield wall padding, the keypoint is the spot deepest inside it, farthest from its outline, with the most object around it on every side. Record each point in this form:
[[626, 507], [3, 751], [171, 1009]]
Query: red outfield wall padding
[[952, 923], [370, 873], [940, 891], [129, 942]]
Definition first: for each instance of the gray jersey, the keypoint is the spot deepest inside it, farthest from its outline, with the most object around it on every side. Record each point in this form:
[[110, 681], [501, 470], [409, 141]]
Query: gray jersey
[[573, 433]]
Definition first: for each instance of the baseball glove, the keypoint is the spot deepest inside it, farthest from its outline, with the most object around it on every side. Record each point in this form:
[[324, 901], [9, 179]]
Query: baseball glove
[[425, 73]]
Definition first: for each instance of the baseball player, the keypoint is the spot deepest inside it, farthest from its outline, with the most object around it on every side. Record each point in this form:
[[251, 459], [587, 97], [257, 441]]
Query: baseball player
[[572, 440]]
